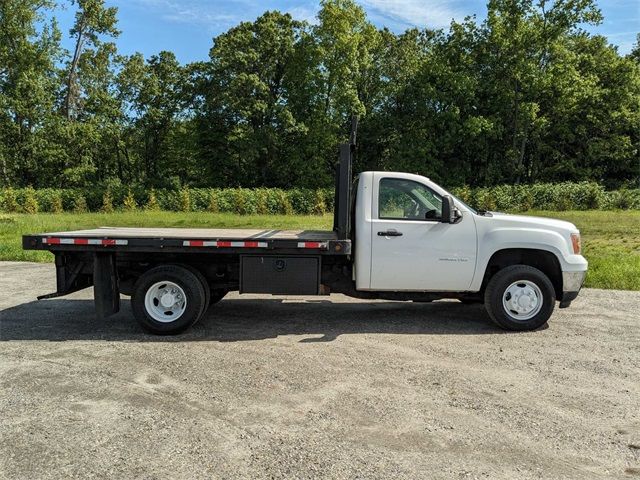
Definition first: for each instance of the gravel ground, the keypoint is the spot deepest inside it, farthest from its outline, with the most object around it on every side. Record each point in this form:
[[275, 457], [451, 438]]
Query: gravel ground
[[270, 387]]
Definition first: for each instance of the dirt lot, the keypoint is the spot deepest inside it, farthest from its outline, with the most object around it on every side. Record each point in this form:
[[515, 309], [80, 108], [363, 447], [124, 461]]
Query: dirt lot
[[316, 387]]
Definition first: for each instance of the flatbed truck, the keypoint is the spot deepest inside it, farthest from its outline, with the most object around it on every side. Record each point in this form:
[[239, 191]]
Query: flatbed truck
[[396, 236]]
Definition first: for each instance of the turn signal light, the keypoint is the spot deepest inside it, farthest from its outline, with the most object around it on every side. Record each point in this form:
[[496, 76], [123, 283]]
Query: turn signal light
[[577, 244]]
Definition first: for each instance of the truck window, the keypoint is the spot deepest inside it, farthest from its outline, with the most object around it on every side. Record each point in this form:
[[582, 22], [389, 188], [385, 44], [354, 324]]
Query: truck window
[[400, 199]]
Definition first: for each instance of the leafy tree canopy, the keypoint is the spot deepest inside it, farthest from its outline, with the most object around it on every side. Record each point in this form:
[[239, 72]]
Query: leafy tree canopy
[[525, 95]]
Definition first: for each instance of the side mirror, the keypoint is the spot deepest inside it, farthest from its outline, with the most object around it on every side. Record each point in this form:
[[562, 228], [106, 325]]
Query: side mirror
[[448, 209]]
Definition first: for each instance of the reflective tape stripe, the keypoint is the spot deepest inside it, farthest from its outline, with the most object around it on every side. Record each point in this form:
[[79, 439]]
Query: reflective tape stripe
[[223, 244], [84, 241], [321, 245]]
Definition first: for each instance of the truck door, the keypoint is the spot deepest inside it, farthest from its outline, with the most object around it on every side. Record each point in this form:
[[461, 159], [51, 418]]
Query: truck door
[[411, 248]]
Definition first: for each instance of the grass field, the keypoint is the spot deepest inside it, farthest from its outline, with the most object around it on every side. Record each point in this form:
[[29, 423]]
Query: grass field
[[611, 239], [611, 243]]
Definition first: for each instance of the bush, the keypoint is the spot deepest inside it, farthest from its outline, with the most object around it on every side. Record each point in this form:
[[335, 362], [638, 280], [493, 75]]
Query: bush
[[464, 193], [152, 202], [273, 201], [185, 200], [200, 199], [540, 196], [213, 206], [244, 201], [107, 202], [225, 200], [129, 204], [623, 199], [9, 200], [262, 201], [79, 203], [284, 202], [302, 200], [319, 204], [30, 204], [56, 203], [49, 200]]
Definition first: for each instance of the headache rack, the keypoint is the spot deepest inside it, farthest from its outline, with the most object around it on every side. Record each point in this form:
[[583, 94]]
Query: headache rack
[[344, 179]]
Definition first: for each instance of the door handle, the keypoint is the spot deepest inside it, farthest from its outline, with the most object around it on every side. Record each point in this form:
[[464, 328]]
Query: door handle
[[390, 233]]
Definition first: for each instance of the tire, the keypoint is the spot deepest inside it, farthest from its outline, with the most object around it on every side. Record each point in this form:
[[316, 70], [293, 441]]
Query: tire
[[167, 300], [218, 294], [204, 282], [512, 283]]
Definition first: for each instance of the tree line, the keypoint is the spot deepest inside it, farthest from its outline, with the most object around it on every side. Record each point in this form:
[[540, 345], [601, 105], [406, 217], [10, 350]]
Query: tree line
[[525, 95]]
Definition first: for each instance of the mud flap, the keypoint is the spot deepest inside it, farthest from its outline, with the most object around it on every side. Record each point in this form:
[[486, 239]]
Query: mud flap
[[105, 285]]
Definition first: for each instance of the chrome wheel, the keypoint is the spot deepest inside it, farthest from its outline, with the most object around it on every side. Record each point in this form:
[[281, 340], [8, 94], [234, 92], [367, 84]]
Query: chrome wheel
[[522, 300], [165, 302]]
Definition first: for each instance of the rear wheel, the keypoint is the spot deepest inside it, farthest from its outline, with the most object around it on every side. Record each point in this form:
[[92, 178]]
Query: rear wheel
[[520, 297], [167, 300]]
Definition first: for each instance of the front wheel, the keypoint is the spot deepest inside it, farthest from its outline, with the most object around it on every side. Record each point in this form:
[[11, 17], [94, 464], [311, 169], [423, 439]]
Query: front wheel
[[520, 297], [167, 300]]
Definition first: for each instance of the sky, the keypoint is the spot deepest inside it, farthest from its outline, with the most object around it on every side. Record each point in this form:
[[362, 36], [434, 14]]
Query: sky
[[187, 27]]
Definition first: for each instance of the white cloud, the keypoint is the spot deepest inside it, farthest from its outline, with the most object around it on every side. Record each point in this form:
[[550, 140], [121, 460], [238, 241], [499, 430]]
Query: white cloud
[[419, 13], [306, 13], [193, 16], [217, 14], [191, 12]]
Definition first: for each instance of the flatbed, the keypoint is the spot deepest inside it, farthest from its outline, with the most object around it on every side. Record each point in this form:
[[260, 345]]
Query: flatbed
[[122, 239]]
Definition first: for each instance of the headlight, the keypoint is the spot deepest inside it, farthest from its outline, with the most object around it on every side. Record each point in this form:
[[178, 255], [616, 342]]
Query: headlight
[[576, 243]]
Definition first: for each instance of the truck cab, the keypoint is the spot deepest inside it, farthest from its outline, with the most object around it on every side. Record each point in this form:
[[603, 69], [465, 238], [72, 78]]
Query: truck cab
[[414, 236]]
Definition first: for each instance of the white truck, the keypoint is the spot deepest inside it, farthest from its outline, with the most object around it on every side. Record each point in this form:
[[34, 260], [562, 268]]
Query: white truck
[[396, 236]]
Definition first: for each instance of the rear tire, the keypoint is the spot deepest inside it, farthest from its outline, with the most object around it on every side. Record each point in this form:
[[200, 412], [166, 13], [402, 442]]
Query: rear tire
[[520, 298], [167, 300], [203, 281]]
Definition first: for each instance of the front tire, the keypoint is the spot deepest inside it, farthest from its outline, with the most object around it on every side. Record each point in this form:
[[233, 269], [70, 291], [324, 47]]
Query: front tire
[[167, 300], [520, 297]]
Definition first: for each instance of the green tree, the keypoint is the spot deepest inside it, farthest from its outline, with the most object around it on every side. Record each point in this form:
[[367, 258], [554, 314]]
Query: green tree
[[155, 92], [517, 43], [92, 21], [245, 93], [29, 50], [346, 79], [524, 95], [91, 115], [635, 51]]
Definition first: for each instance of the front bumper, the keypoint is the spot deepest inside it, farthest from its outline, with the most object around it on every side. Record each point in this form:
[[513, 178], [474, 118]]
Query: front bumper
[[571, 284]]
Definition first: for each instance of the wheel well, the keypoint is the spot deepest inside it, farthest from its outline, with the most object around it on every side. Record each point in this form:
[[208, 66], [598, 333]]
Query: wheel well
[[543, 260]]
